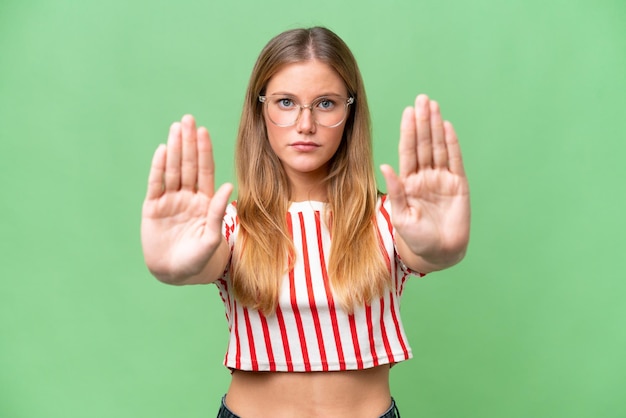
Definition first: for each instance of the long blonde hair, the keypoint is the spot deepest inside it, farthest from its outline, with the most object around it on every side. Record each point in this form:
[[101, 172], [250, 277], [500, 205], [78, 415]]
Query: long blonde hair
[[264, 250]]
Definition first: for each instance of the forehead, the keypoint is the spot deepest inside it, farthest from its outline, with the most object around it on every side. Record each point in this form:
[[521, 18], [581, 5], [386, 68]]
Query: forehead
[[306, 79]]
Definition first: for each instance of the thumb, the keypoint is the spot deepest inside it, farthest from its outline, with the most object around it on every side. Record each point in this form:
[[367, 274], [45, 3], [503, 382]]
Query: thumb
[[218, 203], [395, 189]]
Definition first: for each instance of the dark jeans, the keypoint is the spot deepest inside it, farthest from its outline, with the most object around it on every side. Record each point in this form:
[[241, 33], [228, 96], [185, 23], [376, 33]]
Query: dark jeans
[[224, 412]]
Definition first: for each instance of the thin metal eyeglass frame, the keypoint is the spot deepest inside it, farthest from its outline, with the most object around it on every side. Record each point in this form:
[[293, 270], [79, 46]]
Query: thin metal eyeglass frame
[[347, 102]]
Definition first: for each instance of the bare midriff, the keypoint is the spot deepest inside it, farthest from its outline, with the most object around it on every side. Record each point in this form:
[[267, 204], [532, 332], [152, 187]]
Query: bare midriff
[[353, 393]]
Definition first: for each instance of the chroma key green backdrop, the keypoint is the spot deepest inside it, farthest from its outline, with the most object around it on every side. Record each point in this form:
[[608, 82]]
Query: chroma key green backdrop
[[531, 324]]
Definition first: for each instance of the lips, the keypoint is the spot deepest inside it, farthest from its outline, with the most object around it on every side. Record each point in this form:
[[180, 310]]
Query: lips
[[304, 146]]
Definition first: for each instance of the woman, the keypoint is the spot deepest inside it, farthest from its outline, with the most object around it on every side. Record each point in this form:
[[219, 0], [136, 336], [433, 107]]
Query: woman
[[311, 260]]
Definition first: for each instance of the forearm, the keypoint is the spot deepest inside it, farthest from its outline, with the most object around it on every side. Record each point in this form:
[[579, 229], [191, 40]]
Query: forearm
[[211, 270]]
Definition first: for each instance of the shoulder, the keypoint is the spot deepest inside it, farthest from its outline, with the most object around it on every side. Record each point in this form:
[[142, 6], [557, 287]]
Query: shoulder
[[230, 220], [383, 218], [231, 208], [383, 205]]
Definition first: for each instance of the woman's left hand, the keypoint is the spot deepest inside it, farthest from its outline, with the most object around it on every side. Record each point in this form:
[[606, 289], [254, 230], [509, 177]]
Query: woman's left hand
[[430, 196]]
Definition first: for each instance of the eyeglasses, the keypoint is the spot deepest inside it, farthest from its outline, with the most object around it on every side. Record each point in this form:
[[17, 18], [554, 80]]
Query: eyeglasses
[[284, 110]]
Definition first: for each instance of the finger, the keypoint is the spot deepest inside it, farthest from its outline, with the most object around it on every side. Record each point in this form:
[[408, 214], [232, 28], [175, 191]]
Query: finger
[[172, 165], [157, 169], [395, 189], [440, 153], [206, 165], [218, 204], [454, 150], [189, 169], [424, 139], [407, 147]]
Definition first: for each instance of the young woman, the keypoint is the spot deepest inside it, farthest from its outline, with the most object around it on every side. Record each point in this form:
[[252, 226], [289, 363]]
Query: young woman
[[310, 260]]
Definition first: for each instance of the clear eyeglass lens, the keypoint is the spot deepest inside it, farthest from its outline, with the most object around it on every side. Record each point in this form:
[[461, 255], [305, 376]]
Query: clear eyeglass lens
[[327, 111]]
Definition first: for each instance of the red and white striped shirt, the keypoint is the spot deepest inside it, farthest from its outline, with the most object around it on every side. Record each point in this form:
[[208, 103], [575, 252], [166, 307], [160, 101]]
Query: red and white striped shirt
[[309, 331]]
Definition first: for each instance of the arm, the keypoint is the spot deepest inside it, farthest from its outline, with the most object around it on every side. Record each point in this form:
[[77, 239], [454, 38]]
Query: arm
[[181, 225], [430, 196]]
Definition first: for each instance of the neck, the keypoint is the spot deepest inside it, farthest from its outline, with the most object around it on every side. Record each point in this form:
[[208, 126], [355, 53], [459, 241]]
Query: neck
[[307, 187]]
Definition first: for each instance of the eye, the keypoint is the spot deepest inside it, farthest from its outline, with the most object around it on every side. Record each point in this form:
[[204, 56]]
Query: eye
[[325, 103], [285, 103]]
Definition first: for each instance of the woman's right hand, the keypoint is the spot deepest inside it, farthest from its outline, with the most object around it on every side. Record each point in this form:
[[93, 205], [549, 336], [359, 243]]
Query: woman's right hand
[[181, 226]]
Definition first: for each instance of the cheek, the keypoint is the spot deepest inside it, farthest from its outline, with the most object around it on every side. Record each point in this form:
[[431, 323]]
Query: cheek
[[340, 144], [273, 137], [337, 137]]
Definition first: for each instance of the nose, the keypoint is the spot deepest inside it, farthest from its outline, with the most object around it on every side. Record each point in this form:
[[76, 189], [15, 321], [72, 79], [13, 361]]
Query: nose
[[306, 122]]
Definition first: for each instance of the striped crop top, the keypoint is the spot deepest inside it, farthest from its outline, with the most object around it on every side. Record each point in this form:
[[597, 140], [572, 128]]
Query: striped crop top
[[309, 332]]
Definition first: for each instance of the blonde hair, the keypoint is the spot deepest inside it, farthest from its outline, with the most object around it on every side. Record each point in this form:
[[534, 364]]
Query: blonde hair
[[264, 250]]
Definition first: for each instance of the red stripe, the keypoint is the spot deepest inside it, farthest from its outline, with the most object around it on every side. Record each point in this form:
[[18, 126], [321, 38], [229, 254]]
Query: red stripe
[[237, 343], [230, 228], [224, 290], [230, 329], [403, 280], [370, 331], [268, 342], [386, 215], [312, 304], [383, 330], [296, 311], [396, 324], [253, 359], [283, 333], [329, 294], [355, 342]]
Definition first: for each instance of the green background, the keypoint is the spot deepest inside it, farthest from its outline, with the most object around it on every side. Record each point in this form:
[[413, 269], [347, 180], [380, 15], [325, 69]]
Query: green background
[[530, 324]]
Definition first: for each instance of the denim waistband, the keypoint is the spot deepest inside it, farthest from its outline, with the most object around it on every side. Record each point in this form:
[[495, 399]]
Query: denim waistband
[[224, 412]]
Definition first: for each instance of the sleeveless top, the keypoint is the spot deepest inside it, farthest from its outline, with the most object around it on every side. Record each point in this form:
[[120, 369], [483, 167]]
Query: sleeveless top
[[309, 331]]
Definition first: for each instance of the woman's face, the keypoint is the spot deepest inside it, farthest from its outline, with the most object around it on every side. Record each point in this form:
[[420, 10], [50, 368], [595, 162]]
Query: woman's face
[[306, 147]]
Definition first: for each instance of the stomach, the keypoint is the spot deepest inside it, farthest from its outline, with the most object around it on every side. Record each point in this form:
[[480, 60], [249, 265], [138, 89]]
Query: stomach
[[351, 393]]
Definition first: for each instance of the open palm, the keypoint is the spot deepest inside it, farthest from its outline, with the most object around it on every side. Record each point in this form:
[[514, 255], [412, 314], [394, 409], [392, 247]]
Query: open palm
[[182, 215], [430, 196]]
